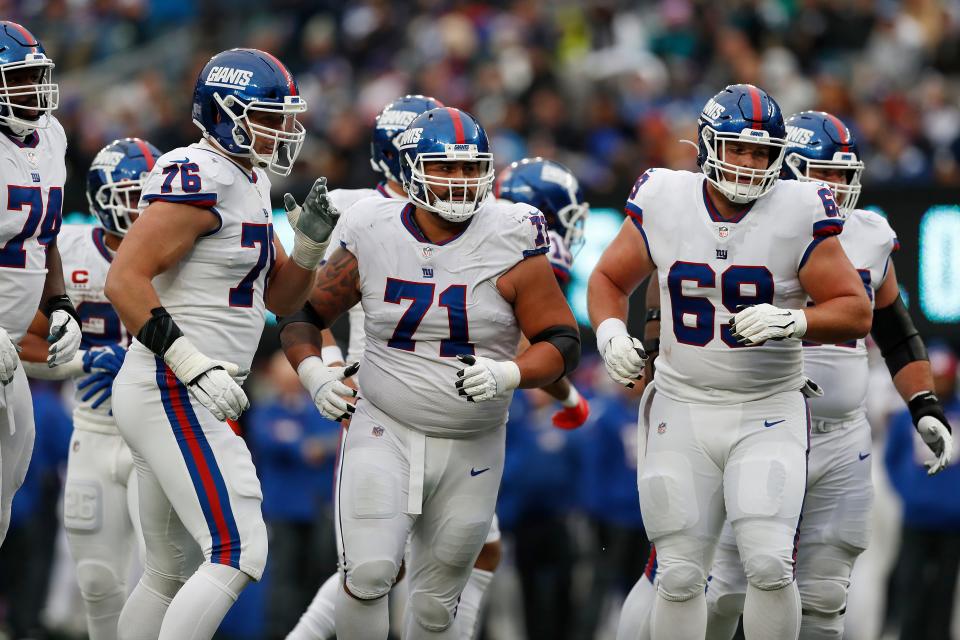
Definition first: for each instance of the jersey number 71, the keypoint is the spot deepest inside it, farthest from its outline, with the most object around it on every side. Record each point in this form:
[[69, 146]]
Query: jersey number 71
[[453, 298]]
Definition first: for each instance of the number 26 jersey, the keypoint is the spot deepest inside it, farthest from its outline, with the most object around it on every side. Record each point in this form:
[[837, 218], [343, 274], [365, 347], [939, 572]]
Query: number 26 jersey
[[709, 267]]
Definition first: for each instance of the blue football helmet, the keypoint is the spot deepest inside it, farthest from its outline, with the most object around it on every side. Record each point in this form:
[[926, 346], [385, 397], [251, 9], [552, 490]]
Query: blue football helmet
[[554, 190], [445, 135], [235, 89], [384, 156], [25, 102], [818, 140], [745, 114], [115, 179]]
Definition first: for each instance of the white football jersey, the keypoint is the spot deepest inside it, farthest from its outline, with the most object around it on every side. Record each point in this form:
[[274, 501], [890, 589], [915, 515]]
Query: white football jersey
[[425, 303], [560, 258], [708, 267], [31, 201], [215, 293], [86, 260], [842, 370], [343, 199]]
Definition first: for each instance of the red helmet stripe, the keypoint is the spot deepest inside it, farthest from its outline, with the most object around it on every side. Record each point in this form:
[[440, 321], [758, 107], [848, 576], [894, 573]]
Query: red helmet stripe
[[26, 34], [755, 105], [841, 130], [457, 125], [145, 150], [290, 84]]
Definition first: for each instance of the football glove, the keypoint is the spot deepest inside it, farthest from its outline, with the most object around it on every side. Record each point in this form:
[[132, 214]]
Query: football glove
[[312, 223], [64, 337], [213, 383], [624, 359], [756, 324], [98, 383], [571, 417], [326, 388], [106, 359], [485, 379], [931, 423], [9, 359]]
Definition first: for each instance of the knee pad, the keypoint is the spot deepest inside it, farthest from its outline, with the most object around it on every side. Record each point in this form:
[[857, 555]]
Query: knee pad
[[768, 572], [430, 613], [668, 497], [97, 580], [459, 542], [823, 598], [371, 580], [680, 581]]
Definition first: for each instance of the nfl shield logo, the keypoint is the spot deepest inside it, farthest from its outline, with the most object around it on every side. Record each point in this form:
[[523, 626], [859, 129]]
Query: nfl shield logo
[[377, 431], [427, 252], [662, 428], [723, 232]]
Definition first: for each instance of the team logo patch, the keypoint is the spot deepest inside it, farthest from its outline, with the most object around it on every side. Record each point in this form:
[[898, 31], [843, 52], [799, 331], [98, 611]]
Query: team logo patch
[[377, 431], [662, 428], [228, 77], [721, 254], [427, 272], [35, 176]]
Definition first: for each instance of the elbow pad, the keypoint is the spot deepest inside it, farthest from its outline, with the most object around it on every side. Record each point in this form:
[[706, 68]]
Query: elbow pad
[[899, 341], [307, 314], [567, 341]]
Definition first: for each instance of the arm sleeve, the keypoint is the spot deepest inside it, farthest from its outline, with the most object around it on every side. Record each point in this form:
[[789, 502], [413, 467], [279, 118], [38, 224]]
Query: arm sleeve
[[827, 221]]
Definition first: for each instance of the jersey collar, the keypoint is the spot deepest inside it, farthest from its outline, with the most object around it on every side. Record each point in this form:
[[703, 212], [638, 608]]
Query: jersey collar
[[29, 142], [714, 213], [101, 246], [410, 224]]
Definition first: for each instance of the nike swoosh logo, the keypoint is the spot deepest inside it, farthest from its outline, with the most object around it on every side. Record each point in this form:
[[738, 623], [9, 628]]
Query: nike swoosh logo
[[475, 472], [769, 424], [864, 456], [180, 161]]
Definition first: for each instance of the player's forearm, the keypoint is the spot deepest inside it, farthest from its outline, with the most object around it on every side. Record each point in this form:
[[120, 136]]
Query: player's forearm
[[53, 284], [540, 365], [559, 390], [839, 319], [299, 341], [913, 378], [605, 299], [289, 288], [33, 347], [132, 296]]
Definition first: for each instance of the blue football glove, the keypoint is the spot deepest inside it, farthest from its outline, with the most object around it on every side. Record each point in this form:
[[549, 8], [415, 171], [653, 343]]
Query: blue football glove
[[98, 383], [106, 359]]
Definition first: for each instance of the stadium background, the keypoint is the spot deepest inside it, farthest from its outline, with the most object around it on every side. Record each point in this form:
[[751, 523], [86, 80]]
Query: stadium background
[[606, 87]]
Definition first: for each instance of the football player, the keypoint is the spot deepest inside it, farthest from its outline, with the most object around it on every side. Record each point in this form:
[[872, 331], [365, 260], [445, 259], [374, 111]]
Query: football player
[[834, 527], [33, 145], [100, 492], [192, 282], [554, 190], [447, 282], [723, 427]]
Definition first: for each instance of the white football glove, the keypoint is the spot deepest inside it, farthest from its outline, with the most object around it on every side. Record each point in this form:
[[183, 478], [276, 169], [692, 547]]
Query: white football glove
[[937, 436], [326, 388], [758, 323], [213, 383], [312, 224], [486, 379], [624, 359], [8, 358], [65, 337]]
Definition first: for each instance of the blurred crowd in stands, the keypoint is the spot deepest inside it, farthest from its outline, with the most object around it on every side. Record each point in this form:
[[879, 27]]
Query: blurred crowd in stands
[[606, 86]]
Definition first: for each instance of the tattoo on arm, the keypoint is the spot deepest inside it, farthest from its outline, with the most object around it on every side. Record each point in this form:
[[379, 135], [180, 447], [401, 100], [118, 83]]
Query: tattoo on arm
[[338, 286]]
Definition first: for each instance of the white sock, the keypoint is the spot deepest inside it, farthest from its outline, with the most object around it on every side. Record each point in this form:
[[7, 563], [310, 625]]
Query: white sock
[[197, 610], [685, 620], [635, 615], [361, 619], [144, 610], [318, 622], [772, 615], [471, 603], [103, 615], [721, 625]]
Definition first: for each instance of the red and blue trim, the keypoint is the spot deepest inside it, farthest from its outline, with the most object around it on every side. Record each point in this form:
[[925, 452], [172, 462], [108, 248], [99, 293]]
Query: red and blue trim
[[410, 224], [291, 85], [382, 190], [207, 480], [827, 228], [714, 213], [100, 244], [756, 115], [457, 125], [842, 133], [147, 156], [206, 200], [635, 213], [650, 571], [26, 34], [29, 142]]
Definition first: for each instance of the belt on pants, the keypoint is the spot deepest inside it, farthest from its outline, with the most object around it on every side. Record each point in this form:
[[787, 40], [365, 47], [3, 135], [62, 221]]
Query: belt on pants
[[826, 426]]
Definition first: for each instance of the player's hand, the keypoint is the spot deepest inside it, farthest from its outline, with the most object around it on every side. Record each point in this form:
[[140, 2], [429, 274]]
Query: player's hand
[[937, 436], [105, 359], [9, 359], [64, 337], [485, 379], [761, 322], [98, 383], [624, 359], [326, 387], [572, 417], [312, 223], [213, 383]]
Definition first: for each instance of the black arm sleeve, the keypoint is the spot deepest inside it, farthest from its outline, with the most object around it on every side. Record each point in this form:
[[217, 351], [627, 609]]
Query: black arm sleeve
[[159, 332], [567, 341], [898, 339], [307, 314]]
